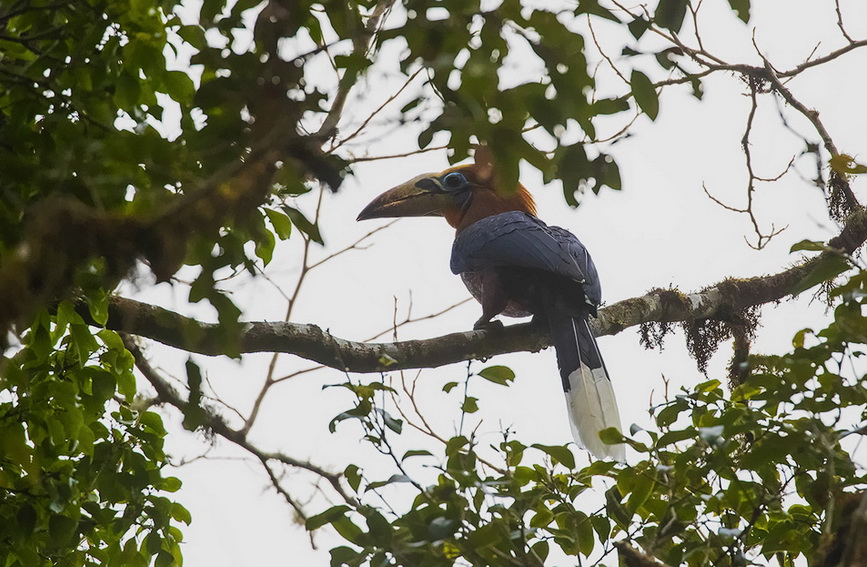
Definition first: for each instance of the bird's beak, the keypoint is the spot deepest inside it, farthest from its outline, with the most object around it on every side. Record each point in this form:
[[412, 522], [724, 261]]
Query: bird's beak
[[418, 197]]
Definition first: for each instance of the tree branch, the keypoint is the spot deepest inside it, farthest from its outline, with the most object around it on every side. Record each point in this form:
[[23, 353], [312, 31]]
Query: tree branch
[[166, 393], [719, 301]]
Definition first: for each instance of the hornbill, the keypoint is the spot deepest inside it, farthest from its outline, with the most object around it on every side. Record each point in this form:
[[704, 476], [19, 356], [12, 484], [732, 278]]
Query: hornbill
[[516, 265]]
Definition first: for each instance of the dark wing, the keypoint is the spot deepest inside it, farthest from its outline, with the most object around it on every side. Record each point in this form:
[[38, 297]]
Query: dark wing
[[516, 239]]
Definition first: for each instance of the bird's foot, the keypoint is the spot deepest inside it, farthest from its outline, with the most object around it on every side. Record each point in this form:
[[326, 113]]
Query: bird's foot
[[482, 325]]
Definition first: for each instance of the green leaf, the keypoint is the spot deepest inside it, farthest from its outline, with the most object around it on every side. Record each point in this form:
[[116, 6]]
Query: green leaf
[[573, 168], [194, 35], [265, 247], [674, 436], [416, 453], [601, 525], [171, 484], [610, 105], [281, 223], [641, 490], [97, 303], [102, 383], [498, 374], [645, 94], [304, 225], [846, 165], [126, 384], [27, 517], [470, 405], [541, 549], [637, 27], [616, 511], [670, 14], [706, 386], [61, 529], [606, 172], [66, 316], [127, 91], [485, 536], [584, 531], [179, 86], [514, 451], [153, 422], [326, 517], [395, 425], [742, 9], [811, 245], [83, 341], [343, 555], [542, 518], [670, 413], [181, 514], [449, 386], [391, 480], [353, 476], [611, 436], [558, 453], [164, 559], [455, 444], [825, 269]]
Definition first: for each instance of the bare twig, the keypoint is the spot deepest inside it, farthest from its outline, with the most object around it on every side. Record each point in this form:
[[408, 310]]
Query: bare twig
[[217, 425], [401, 155], [292, 300], [361, 44], [840, 22], [602, 51], [379, 109]]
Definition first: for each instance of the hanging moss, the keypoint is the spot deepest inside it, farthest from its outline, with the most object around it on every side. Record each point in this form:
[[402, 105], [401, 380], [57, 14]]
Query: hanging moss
[[703, 338], [652, 333], [840, 198]]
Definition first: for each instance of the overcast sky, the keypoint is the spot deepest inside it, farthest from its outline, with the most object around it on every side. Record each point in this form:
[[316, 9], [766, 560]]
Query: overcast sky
[[660, 230]]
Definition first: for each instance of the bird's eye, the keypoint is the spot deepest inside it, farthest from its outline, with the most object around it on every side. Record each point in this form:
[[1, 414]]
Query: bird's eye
[[454, 180]]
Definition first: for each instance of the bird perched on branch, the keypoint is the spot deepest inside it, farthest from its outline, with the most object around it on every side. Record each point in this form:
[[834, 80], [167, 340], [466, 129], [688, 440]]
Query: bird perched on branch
[[516, 265]]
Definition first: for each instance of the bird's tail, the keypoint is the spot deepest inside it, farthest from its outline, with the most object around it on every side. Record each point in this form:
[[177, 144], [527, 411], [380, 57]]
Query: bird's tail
[[589, 394]]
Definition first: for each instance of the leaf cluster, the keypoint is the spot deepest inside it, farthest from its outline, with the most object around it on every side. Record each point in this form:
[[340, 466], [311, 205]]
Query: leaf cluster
[[81, 480], [726, 477]]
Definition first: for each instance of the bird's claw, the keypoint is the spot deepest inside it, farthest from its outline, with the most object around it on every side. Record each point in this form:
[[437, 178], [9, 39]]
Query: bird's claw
[[488, 325]]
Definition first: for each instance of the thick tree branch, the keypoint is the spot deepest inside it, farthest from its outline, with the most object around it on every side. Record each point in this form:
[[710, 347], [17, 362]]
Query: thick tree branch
[[719, 301], [632, 557]]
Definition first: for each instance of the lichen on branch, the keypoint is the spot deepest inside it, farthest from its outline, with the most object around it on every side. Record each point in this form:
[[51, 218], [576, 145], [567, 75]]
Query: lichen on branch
[[716, 302]]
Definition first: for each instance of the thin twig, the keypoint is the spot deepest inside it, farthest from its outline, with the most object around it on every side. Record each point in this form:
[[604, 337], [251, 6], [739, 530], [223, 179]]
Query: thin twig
[[401, 155], [292, 301], [373, 114], [218, 426], [361, 44]]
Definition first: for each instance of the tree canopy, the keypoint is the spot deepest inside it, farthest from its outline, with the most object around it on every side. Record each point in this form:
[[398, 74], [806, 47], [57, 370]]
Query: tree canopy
[[148, 143]]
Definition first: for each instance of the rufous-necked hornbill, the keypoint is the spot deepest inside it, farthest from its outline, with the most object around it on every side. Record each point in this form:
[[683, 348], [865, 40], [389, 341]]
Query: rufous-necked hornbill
[[516, 265]]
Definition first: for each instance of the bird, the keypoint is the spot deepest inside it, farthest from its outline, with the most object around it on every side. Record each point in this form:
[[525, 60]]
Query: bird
[[515, 265]]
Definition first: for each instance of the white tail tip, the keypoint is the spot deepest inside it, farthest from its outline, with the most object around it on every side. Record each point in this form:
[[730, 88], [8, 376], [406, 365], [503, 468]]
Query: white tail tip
[[592, 408]]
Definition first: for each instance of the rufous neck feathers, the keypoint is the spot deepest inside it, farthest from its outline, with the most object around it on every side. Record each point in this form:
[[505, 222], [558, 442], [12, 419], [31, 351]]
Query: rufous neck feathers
[[486, 202]]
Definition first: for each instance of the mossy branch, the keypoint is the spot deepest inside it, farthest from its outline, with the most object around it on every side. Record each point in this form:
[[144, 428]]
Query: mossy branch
[[312, 342]]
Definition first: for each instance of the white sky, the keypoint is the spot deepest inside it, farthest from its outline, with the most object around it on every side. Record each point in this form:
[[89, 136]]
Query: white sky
[[660, 230]]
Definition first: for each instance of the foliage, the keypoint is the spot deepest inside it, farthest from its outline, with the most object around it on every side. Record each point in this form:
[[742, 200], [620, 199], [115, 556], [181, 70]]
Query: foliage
[[141, 152], [728, 477], [81, 476]]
